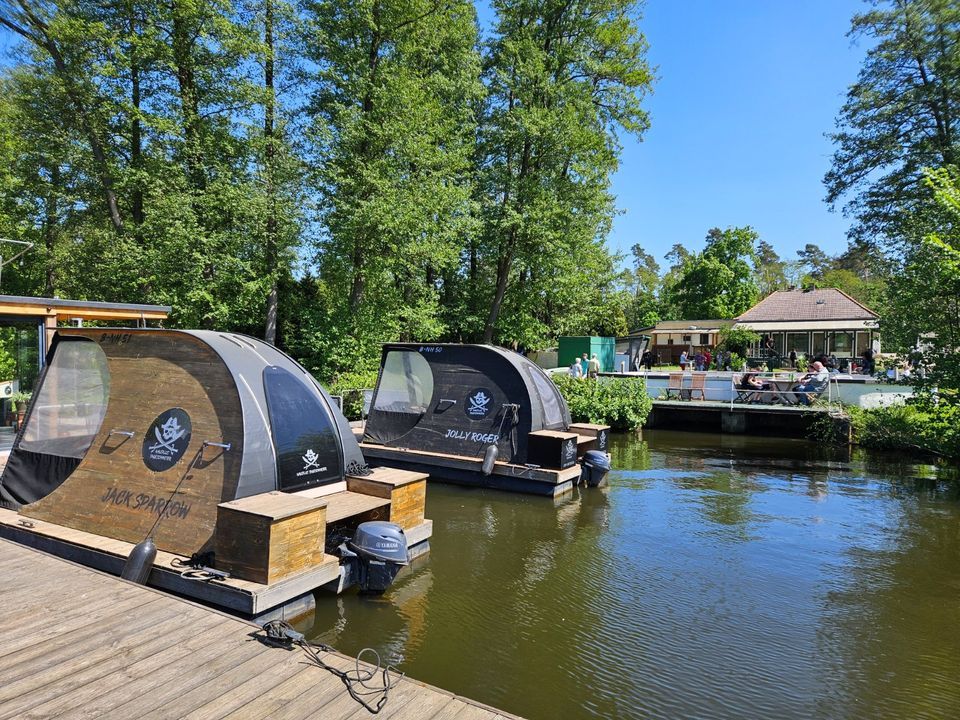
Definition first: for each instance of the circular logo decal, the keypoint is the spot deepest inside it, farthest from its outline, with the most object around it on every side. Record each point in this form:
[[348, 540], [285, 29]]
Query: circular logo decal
[[479, 404], [167, 439]]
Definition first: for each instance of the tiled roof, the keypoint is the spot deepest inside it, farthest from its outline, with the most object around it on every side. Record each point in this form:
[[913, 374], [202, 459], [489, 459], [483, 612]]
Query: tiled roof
[[819, 304]]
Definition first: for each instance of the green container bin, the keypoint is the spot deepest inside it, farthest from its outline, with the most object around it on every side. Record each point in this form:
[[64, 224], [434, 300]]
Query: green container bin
[[571, 347]]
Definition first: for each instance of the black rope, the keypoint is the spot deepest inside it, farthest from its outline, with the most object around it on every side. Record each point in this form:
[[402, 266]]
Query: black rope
[[357, 681]]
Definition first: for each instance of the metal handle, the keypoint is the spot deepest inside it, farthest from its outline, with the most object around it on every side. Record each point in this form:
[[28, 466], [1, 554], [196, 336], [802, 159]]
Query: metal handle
[[126, 433], [211, 443], [445, 400]]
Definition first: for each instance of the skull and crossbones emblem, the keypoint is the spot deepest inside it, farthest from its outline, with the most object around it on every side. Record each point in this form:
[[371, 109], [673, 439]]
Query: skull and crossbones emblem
[[311, 459], [167, 434], [478, 403]]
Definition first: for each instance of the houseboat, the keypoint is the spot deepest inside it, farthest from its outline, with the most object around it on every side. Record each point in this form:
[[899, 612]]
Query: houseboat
[[479, 415], [217, 449]]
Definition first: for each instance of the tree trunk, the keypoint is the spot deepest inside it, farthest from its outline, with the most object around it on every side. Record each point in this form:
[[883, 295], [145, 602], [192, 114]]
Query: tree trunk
[[182, 45], [136, 129], [270, 331], [503, 275], [51, 223]]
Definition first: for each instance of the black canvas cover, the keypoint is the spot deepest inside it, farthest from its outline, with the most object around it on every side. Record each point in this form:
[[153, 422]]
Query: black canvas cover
[[30, 476], [458, 399]]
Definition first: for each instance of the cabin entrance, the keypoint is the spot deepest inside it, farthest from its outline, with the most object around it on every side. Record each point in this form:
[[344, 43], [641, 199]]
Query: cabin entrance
[[403, 396]]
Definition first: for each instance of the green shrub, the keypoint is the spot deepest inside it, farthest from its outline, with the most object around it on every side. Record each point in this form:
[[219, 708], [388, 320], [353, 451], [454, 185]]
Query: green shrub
[[350, 385], [621, 403], [920, 426]]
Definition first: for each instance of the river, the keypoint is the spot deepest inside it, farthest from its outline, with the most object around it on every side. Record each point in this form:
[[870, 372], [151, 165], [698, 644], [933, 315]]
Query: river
[[714, 577]]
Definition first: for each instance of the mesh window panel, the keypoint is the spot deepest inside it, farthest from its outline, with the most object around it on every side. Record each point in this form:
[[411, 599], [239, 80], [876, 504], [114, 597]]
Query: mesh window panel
[[549, 397], [406, 383], [308, 451], [68, 409]]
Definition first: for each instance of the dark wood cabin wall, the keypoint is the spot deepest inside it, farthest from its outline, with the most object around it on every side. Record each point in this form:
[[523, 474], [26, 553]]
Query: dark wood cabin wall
[[110, 493]]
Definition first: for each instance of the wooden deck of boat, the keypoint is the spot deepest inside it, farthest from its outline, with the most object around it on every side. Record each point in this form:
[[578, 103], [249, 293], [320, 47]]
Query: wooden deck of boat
[[467, 470], [75, 643]]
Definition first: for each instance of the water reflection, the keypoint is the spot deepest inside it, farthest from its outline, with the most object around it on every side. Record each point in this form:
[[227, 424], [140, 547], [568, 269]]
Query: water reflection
[[715, 577]]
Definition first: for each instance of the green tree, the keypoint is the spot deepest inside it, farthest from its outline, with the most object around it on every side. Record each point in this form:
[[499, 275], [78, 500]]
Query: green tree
[[770, 269], [718, 282], [899, 117], [814, 260], [393, 131], [642, 287], [924, 294], [562, 79]]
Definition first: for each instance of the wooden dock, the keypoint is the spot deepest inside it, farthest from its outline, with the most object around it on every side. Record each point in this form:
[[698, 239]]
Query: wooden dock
[[76, 643]]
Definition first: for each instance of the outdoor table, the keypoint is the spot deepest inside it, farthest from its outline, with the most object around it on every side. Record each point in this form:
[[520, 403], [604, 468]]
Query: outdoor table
[[780, 392]]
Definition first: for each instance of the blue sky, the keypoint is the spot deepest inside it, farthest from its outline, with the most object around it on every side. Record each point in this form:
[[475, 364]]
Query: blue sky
[[747, 90]]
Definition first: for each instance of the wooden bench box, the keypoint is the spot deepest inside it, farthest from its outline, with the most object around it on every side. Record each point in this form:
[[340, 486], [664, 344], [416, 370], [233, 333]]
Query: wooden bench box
[[599, 433], [265, 538], [552, 449], [406, 490]]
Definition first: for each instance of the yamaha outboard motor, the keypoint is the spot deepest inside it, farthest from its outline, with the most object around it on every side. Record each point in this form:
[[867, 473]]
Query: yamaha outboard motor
[[379, 550], [595, 466]]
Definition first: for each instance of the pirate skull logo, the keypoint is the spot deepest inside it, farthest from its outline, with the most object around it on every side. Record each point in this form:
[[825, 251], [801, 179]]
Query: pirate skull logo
[[478, 403], [167, 434], [311, 459], [167, 439]]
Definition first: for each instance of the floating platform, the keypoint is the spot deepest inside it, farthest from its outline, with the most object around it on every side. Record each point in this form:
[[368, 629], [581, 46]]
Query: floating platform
[[722, 417], [75, 642], [463, 470], [290, 576], [223, 452]]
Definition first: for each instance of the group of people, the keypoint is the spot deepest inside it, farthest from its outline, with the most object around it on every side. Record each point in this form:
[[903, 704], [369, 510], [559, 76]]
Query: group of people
[[583, 367], [705, 360], [805, 391], [701, 360]]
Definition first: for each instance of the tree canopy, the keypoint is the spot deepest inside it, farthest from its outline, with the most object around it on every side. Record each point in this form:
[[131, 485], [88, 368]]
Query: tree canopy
[[326, 175], [900, 117], [718, 282]]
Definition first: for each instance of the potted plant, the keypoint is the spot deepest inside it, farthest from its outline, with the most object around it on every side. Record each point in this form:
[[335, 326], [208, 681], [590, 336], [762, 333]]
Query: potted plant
[[21, 400]]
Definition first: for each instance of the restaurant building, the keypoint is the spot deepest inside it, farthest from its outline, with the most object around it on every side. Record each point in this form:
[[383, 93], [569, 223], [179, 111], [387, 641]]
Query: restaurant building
[[813, 321]]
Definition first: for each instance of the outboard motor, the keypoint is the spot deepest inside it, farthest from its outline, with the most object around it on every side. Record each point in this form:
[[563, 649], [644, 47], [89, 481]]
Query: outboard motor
[[379, 550], [595, 466]]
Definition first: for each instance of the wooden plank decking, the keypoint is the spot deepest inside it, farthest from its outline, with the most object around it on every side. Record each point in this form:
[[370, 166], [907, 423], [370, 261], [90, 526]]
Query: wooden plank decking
[[76, 643]]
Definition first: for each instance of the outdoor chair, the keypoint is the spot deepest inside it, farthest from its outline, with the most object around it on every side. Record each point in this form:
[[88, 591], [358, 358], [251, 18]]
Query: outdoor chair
[[811, 395], [697, 384], [675, 384], [744, 395]]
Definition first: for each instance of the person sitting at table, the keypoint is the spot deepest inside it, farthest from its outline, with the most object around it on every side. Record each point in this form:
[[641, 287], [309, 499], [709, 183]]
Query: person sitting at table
[[811, 384], [750, 382]]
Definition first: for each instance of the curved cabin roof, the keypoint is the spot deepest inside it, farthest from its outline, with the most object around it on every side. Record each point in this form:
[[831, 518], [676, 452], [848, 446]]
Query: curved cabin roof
[[247, 358], [458, 398]]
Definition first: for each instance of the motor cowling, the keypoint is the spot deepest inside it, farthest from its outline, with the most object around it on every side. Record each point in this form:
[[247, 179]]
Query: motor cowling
[[380, 549], [594, 467], [380, 540]]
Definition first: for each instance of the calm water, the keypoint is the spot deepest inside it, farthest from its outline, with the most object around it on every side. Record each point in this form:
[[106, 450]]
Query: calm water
[[716, 577]]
